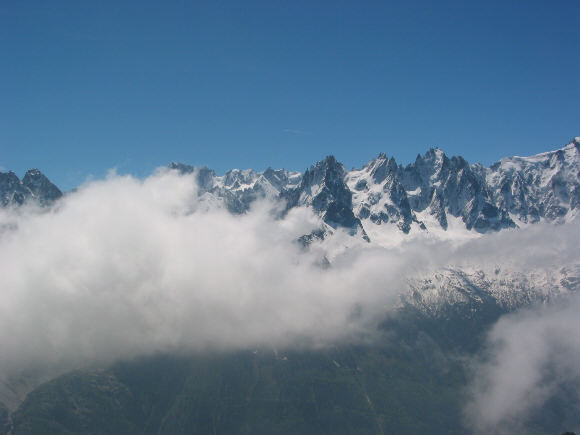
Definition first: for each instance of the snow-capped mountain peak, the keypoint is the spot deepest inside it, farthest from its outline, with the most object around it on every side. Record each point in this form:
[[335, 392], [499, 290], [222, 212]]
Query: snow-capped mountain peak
[[436, 193]]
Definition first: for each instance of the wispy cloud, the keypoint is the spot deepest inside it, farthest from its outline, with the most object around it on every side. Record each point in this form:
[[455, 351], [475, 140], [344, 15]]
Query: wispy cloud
[[295, 131]]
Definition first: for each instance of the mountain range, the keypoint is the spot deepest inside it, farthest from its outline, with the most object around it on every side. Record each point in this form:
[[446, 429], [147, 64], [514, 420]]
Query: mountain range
[[436, 192]]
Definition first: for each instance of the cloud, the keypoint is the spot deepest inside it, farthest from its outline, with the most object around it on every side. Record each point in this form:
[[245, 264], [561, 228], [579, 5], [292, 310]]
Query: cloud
[[531, 355], [125, 267]]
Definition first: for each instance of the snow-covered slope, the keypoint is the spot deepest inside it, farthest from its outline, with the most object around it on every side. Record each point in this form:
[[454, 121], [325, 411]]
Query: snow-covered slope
[[424, 194], [465, 290], [542, 187]]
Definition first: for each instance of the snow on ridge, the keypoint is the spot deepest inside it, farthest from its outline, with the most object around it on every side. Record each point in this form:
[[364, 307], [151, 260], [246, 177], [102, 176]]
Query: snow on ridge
[[569, 148]]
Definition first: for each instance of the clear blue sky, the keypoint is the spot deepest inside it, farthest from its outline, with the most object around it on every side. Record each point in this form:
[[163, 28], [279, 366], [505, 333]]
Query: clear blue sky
[[90, 85]]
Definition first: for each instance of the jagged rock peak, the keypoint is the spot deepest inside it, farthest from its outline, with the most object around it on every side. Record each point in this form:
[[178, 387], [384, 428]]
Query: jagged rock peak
[[382, 168], [323, 187], [181, 167], [41, 187], [34, 186], [329, 164], [34, 172], [434, 154], [328, 171], [277, 177]]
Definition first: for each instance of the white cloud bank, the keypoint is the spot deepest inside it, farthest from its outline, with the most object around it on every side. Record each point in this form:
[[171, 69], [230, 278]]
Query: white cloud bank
[[125, 267], [122, 268]]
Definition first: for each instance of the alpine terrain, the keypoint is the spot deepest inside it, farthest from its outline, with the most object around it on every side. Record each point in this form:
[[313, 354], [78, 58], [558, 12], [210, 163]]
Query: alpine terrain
[[426, 362]]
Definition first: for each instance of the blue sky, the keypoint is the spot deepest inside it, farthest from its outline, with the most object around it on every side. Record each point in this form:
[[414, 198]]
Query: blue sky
[[86, 86]]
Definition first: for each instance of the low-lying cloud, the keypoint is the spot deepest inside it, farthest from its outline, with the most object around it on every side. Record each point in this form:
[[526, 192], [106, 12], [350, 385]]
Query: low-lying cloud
[[126, 267], [533, 353]]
